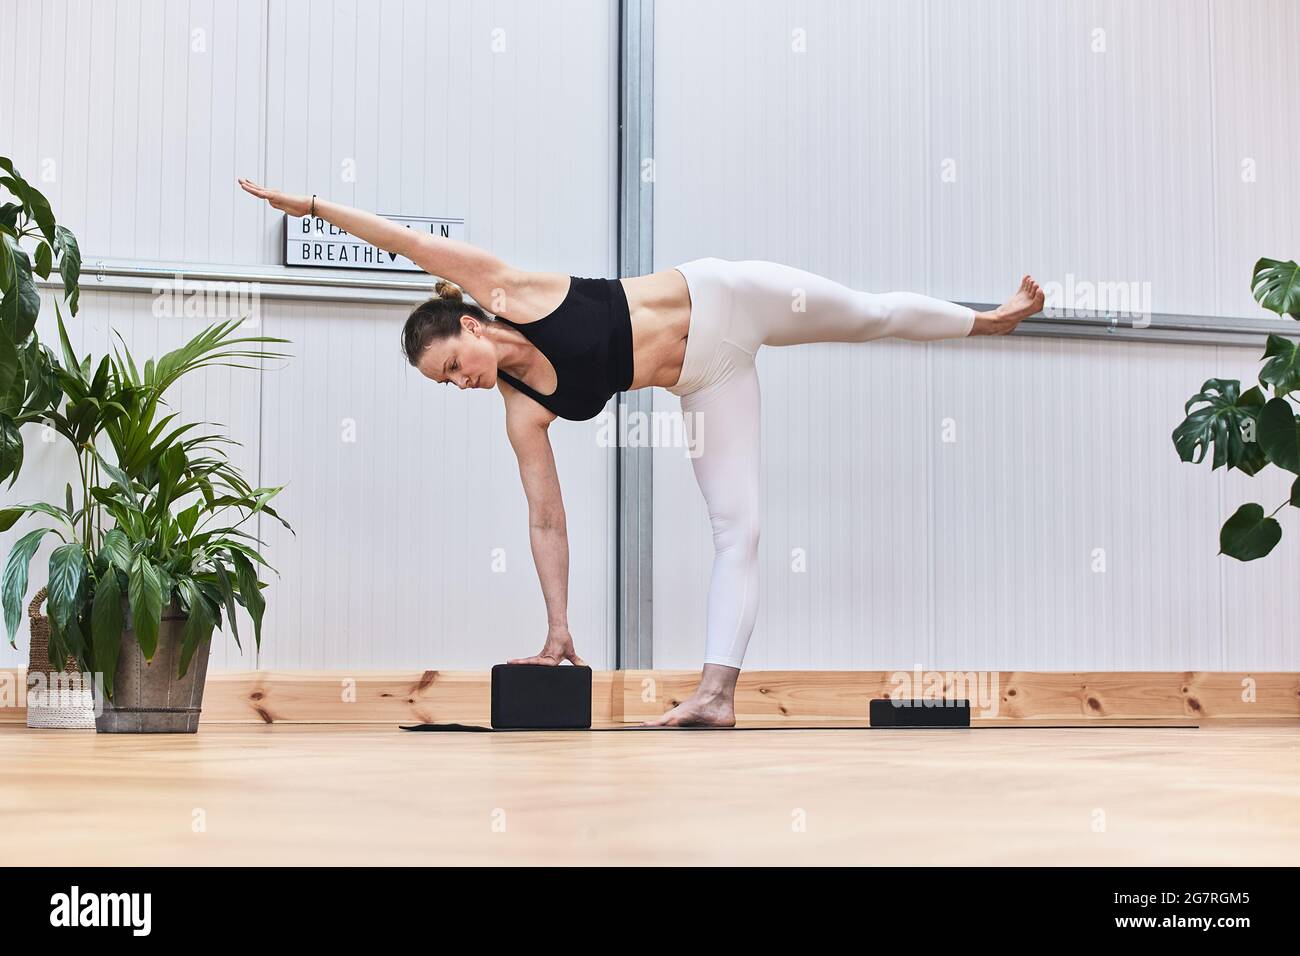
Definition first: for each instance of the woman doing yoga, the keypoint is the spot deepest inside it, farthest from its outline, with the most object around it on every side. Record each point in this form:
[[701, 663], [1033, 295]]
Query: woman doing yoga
[[560, 346]]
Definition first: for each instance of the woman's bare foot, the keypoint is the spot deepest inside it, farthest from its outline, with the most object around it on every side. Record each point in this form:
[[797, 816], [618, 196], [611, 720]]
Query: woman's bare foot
[[698, 711], [712, 705], [1028, 299]]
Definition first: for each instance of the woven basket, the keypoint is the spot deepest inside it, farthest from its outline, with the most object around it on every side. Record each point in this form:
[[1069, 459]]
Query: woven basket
[[65, 701]]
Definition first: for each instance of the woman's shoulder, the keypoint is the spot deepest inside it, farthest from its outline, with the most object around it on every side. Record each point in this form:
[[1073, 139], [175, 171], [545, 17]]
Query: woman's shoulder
[[521, 409], [529, 296]]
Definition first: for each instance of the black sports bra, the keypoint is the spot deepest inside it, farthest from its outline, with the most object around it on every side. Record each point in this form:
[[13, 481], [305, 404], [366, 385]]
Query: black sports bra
[[588, 340]]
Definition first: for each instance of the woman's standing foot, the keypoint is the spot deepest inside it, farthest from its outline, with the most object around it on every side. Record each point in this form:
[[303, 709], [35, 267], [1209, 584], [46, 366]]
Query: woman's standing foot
[[712, 705], [698, 711]]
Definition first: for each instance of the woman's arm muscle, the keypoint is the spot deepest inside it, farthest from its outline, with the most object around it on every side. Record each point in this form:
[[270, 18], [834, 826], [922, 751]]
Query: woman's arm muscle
[[477, 271], [526, 426], [480, 273]]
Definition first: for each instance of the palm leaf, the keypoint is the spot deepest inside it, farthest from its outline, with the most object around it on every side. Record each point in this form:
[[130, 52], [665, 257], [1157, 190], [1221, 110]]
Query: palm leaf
[[14, 580], [106, 628]]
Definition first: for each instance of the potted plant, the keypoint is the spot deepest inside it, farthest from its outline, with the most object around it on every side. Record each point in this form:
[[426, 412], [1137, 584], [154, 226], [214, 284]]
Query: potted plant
[[1249, 430], [154, 553]]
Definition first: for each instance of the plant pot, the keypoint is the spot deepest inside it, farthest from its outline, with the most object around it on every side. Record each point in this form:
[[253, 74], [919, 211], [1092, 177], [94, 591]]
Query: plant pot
[[148, 697], [57, 699]]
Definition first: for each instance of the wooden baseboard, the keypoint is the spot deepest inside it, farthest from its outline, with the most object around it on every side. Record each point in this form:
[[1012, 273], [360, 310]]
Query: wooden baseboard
[[777, 697]]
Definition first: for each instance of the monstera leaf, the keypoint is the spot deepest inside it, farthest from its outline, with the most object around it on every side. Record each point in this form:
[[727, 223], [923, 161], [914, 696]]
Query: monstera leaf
[[1225, 420], [1276, 286], [1249, 534], [1282, 370], [1279, 435]]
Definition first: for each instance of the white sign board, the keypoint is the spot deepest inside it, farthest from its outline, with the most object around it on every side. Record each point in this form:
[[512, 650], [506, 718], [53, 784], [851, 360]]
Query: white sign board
[[311, 241]]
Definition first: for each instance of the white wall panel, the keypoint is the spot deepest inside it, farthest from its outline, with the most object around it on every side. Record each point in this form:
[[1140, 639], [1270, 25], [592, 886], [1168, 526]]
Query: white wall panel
[[1253, 69], [1068, 533], [136, 116], [1110, 165], [1080, 141], [144, 113], [812, 158], [503, 113]]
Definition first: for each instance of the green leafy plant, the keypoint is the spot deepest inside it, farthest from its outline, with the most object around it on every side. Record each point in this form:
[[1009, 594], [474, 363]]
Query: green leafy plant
[[159, 526], [1250, 430], [28, 383]]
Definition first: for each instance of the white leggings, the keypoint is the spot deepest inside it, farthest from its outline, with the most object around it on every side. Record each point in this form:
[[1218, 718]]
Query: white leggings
[[736, 307]]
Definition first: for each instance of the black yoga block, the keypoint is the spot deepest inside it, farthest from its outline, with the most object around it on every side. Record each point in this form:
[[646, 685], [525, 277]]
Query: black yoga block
[[920, 713], [541, 697]]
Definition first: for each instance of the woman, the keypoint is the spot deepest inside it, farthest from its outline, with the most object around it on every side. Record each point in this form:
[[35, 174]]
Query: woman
[[561, 346]]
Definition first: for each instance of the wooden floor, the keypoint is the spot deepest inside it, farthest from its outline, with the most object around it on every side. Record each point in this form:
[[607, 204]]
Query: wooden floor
[[287, 794]]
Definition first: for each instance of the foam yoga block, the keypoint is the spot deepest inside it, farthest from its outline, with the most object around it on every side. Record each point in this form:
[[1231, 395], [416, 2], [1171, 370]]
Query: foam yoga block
[[537, 697], [920, 713]]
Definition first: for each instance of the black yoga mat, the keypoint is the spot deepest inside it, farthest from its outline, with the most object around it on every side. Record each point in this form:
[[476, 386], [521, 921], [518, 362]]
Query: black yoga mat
[[471, 728]]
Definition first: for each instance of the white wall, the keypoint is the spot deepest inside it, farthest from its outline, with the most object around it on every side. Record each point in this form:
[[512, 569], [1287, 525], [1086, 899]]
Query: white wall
[[141, 115], [1122, 165]]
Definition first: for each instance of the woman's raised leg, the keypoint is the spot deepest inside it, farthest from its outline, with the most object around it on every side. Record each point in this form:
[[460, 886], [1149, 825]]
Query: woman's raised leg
[[776, 304]]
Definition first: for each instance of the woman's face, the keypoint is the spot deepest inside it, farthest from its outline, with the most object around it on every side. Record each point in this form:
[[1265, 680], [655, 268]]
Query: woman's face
[[466, 360]]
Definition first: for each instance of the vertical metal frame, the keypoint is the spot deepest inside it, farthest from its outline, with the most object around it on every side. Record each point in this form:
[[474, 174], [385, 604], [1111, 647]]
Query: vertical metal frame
[[634, 551]]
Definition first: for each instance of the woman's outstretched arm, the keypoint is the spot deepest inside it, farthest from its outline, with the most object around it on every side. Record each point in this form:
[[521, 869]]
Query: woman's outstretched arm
[[475, 270], [526, 424]]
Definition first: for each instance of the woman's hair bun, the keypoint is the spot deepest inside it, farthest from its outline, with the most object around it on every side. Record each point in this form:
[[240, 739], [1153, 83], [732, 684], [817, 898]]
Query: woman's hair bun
[[447, 290]]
